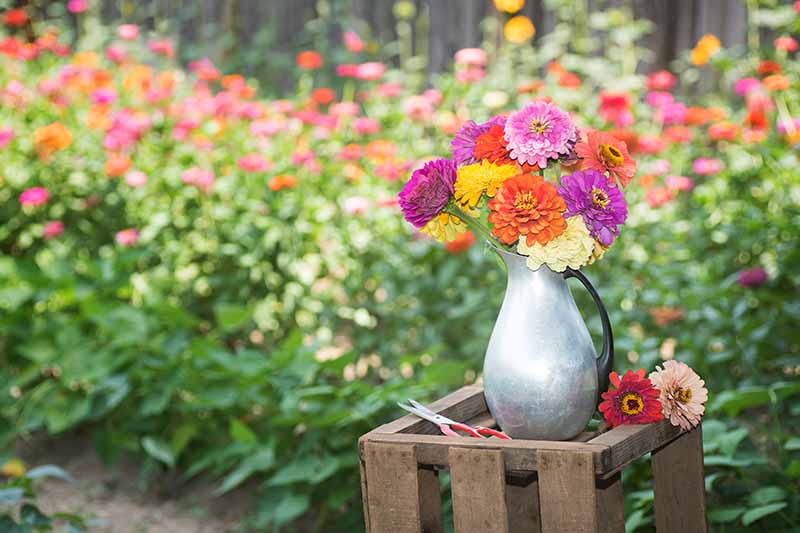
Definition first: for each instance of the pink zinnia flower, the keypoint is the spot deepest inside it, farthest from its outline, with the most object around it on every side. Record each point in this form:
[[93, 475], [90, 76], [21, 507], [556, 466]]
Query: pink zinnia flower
[[344, 109], [663, 80], [418, 108], [6, 135], [34, 196], [163, 47], [679, 183], [116, 53], [53, 229], [254, 163], [389, 90], [104, 96], [77, 6], [366, 126], [346, 70], [705, 166], [356, 205], [202, 179], [128, 32], [136, 178], [752, 277], [659, 167], [745, 85], [127, 237], [650, 144], [370, 71], [353, 42], [681, 393], [659, 98], [470, 75], [265, 128], [474, 57], [539, 132]]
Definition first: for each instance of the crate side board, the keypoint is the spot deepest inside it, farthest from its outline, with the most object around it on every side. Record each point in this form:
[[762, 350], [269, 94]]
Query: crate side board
[[625, 444]]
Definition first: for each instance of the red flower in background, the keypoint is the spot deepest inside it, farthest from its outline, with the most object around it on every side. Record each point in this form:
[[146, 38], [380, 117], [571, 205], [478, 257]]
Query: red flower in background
[[461, 243], [15, 17], [631, 400], [768, 67], [309, 60], [662, 80], [323, 95], [786, 43]]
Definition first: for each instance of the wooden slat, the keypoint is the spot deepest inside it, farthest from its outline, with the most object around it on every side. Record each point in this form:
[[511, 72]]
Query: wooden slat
[[463, 404], [567, 494], [520, 455], [395, 488], [478, 483], [680, 496], [430, 500], [523, 508], [364, 494], [610, 505], [627, 443]]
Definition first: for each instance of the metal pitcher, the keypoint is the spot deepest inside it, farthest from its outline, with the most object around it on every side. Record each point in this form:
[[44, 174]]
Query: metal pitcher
[[541, 375]]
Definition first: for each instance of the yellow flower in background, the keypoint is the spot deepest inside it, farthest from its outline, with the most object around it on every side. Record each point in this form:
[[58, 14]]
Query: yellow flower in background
[[519, 29], [573, 248], [509, 6], [707, 46], [86, 59], [13, 468], [598, 252], [484, 177], [444, 227]]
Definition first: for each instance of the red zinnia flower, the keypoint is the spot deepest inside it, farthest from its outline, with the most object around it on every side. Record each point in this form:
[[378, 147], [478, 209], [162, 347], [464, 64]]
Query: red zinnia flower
[[461, 243], [323, 95], [309, 60], [15, 17], [528, 206], [631, 400], [767, 67], [491, 146]]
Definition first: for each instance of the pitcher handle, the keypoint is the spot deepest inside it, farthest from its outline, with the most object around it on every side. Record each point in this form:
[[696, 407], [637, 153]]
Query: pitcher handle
[[606, 360]]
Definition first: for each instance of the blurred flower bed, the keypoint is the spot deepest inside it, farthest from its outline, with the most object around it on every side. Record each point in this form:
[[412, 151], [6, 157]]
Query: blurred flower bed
[[225, 285]]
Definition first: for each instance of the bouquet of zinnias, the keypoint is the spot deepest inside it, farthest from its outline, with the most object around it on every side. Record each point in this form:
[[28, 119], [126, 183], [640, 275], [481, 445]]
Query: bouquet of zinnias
[[497, 185]]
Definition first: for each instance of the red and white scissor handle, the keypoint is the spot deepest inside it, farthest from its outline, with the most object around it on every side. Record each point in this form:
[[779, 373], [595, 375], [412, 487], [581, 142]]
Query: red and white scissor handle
[[449, 427]]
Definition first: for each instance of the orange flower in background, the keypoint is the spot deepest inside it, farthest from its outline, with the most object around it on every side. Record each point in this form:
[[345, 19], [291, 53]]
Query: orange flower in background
[[707, 46], [15, 17], [776, 82], [527, 206], [605, 153], [97, 117], [51, 138], [282, 181], [647, 181], [768, 67], [323, 95], [137, 78], [530, 87], [381, 150], [309, 60], [568, 80], [117, 165], [461, 243], [630, 138], [86, 59], [353, 172], [696, 116], [519, 29], [509, 6], [723, 131]]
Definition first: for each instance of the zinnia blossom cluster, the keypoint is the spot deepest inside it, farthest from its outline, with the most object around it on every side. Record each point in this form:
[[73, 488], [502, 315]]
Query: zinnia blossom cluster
[[495, 186]]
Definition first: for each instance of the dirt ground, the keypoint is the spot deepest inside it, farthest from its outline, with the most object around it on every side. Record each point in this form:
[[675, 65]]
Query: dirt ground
[[110, 495]]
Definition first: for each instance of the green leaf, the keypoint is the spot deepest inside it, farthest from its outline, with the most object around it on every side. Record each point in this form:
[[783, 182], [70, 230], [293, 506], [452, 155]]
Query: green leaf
[[11, 496], [792, 444], [29, 514], [261, 461], [48, 471], [305, 469], [753, 515], [726, 514], [793, 470], [728, 442], [765, 495], [8, 525], [158, 450], [241, 433], [290, 507], [231, 316]]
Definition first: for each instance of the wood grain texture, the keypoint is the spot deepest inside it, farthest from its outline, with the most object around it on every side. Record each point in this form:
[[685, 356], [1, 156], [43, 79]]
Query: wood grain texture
[[610, 505], [393, 488], [625, 444], [567, 494], [523, 508], [478, 484], [463, 404], [678, 483]]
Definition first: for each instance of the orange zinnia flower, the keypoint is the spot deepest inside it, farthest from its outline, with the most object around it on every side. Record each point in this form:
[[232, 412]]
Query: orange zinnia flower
[[309, 60], [117, 165], [568, 80], [767, 67], [776, 82], [323, 95], [461, 243], [381, 150], [519, 29], [605, 153], [527, 206], [707, 46], [723, 130], [51, 138], [282, 181]]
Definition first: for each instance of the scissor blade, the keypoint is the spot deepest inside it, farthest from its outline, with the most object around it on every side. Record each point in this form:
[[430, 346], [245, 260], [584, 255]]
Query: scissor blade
[[422, 413]]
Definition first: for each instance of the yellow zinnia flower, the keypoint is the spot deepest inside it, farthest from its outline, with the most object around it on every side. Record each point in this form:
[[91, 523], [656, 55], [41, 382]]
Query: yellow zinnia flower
[[509, 6], [519, 29], [13, 468], [707, 46], [484, 177], [570, 249], [598, 252], [444, 227]]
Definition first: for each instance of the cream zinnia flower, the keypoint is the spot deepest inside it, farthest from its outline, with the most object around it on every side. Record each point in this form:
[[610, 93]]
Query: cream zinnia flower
[[570, 249], [478, 178], [682, 393]]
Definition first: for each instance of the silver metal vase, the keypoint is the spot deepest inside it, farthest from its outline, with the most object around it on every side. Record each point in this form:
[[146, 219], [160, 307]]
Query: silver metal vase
[[541, 375]]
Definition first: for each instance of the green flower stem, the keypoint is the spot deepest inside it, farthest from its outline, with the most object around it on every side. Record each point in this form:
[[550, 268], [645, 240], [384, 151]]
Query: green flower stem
[[471, 223]]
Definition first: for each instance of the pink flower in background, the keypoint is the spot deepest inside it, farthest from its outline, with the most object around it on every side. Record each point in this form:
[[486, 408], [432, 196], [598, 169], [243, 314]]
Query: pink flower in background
[[356, 205], [202, 179], [671, 113], [127, 237], [784, 126], [77, 6], [469, 75], [53, 229], [418, 108], [659, 98], [34, 196], [265, 128], [136, 178], [116, 54], [204, 69], [658, 196], [346, 70], [353, 42], [786, 43], [370, 71], [6, 135], [663, 80], [366, 126], [650, 144], [344, 109], [473, 57], [745, 85], [128, 32], [254, 163], [282, 107], [301, 157], [162, 47], [389, 90], [679, 183], [434, 96], [752, 277], [659, 167], [705, 166], [104, 96]]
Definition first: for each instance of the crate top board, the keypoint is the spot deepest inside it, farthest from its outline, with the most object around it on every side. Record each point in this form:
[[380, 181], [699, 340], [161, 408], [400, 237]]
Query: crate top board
[[611, 450]]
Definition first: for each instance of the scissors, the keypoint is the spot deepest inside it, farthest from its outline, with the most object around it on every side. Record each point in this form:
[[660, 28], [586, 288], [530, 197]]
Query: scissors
[[447, 426]]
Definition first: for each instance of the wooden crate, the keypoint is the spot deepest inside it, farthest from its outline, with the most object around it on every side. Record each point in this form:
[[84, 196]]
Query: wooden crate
[[524, 485]]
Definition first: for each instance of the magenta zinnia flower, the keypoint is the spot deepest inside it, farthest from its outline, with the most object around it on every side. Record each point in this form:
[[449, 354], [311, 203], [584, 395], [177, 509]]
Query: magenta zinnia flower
[[463, 144], [538, 132], [602, 205], [752, 277], [34, 196], [428, 191]]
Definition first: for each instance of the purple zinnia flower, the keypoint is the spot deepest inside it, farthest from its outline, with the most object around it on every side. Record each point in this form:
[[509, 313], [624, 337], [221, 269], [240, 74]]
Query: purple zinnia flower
[[463, 144], [602, 205], [428, 191], [538, 132], [752, 277]]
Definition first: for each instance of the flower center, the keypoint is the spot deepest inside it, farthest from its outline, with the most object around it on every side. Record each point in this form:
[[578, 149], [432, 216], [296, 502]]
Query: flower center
[[599, 198], [684, 395], [539, 126], [611, 155], [525, 201], [632, 404]]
